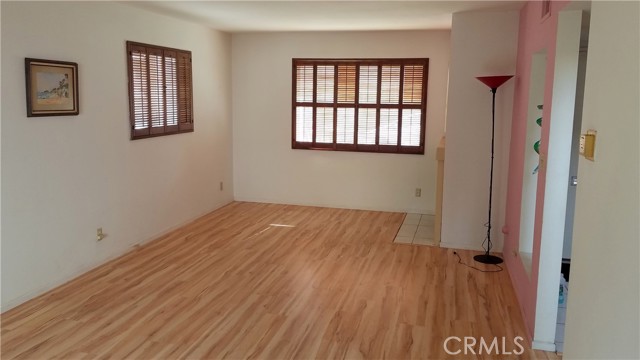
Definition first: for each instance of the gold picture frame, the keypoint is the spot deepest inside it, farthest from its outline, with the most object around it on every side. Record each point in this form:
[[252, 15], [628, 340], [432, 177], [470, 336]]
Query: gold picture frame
[[52, 87]]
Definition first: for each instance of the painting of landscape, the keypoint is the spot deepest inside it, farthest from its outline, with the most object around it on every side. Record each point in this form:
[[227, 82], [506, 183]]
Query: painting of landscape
[[52, 87]]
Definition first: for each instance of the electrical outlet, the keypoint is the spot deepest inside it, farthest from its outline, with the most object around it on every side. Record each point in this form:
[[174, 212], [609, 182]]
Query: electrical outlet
[[418, 192], [100, 234], [221, 186]]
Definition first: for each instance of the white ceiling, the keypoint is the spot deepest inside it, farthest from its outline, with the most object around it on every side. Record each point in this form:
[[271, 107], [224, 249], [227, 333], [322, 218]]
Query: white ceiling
[[246, 16]]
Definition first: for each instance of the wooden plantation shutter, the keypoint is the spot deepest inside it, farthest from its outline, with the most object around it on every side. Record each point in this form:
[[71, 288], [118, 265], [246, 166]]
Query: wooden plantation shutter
[[390, 84], [368, 84], [346, 107], [347, 84], [171, 86], [160, 90], [156, 91], [304, 100], [138, 91], [185, 92], [325, 91], [373, 105]]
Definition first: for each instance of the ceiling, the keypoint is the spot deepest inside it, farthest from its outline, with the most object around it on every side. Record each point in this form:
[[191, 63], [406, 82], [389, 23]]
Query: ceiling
[[248, 16]]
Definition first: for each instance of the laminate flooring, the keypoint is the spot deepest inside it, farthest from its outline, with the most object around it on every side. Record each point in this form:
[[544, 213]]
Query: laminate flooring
[[266, 281]]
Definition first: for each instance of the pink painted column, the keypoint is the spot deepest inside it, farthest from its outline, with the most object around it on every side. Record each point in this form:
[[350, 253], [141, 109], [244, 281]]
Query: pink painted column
[[536, 33]]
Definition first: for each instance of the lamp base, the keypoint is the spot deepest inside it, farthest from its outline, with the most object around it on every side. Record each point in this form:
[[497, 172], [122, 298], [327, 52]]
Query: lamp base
[[488, 259]]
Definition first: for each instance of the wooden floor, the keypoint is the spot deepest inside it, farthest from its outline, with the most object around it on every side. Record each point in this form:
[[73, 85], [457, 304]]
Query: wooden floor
[[263, 281]]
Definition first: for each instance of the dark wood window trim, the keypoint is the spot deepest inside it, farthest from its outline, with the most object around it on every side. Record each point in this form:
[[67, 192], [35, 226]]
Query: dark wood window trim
[[365, 105], [160, 90]]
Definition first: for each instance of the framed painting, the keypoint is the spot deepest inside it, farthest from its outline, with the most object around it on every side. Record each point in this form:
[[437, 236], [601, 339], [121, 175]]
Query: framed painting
[[52, 87]]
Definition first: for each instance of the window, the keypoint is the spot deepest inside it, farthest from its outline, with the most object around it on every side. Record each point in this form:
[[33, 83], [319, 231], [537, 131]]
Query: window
[[359, 105], [160, 90]]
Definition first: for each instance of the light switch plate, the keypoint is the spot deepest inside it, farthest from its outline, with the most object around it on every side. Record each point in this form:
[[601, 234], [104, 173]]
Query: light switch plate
[[588, 144]]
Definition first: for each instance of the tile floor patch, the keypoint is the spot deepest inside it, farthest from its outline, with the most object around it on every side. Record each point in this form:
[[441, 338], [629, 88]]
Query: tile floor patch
[[424, 232], [427, 220], [416, 229], [407, 230], [424, 241], [403, 239], [412, 219]]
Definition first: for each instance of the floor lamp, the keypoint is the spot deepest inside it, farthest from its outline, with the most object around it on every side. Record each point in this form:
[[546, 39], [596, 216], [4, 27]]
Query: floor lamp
[[493, 82]]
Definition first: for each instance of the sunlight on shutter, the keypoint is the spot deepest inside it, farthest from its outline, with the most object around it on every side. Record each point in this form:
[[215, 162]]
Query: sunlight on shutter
[[388, 127], [304, 123], [345, 128], [171, 90], [346, 84], [412, 84], [366, 126], [140, 86], [368, 83], [411, 127], [390, 84], [324, 125], [156, 85], [304, 83], [325, 83]]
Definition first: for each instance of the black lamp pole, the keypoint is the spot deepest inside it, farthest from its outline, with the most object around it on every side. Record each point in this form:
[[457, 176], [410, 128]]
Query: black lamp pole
[[493, 82]]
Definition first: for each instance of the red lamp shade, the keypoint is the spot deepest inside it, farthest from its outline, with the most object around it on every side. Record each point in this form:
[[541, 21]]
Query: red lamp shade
[[494, 81]]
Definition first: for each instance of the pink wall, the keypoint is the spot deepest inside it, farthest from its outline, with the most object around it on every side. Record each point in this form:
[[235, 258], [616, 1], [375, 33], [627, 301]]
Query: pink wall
[[535, 34]]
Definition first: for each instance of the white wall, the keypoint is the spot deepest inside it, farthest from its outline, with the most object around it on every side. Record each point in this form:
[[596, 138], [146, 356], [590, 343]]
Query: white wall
[[0, 174], [558, 160], [65, 176], [575, 148], [531, 158], [602, 309], [482, 43], [265, 167]]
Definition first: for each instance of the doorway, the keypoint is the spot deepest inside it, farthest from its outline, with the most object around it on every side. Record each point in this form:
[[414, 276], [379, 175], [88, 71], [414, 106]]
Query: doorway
[[560, 162]]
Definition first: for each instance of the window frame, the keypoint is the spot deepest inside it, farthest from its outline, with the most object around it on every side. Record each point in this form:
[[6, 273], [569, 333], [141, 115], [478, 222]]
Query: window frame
[[183, 91], [356, 105]]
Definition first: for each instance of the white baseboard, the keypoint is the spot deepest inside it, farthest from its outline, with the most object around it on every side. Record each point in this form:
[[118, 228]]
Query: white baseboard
[[333, 205], [460, 246], [464, 246], [80, 271], [543, 345]]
